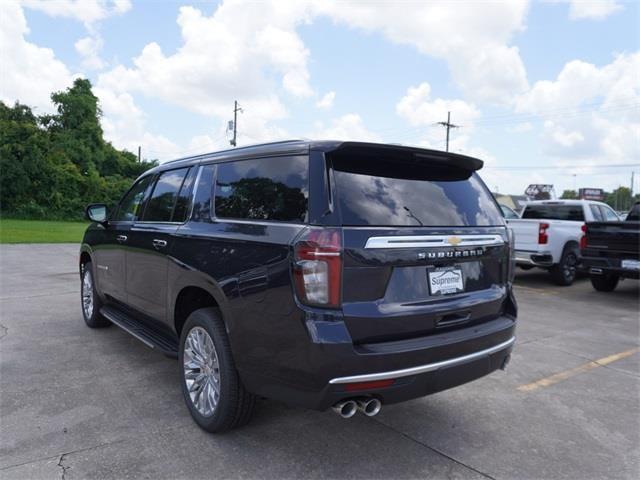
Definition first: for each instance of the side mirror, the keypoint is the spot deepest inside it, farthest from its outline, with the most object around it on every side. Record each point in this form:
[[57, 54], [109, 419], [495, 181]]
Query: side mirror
[[97, 212]]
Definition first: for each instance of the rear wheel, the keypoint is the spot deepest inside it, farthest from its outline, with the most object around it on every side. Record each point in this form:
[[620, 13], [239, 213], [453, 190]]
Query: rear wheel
[[526, 267], [90, 300], [605, 283], [211, 385], [564, 273]]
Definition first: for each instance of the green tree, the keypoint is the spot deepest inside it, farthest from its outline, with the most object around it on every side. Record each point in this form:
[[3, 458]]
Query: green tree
[[569, 195], [53, 165], [619, 199]]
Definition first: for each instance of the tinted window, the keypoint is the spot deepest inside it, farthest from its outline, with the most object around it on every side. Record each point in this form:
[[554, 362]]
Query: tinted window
[[373, 191], [609, 215], [554, 212], [132, 204], [634, 213], [265, 189], [162, 200], [182, 203], [597, 214]]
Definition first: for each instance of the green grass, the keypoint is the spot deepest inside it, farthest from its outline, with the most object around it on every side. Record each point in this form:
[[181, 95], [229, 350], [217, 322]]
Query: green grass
[[40, 231]]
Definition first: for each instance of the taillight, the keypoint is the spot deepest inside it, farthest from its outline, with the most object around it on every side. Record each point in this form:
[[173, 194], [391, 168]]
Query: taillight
[[543, 238], [317, 267], [583, 239]]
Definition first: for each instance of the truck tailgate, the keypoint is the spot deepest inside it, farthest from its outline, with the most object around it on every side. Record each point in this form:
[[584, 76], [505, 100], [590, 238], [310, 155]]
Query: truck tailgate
[[526, 233]]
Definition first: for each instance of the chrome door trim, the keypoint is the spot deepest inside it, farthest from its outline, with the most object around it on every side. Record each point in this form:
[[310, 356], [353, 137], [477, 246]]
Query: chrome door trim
[[430, 367], [434, 241]]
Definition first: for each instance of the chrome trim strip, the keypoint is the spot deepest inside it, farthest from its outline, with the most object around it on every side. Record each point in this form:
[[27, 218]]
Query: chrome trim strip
[[430, 367], [433, 241]]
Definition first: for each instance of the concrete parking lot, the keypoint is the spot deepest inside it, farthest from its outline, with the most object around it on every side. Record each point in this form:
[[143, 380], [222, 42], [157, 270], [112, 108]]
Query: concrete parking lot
[[81, 403]]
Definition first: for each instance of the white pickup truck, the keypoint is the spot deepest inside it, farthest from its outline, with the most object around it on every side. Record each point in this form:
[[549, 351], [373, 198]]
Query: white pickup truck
[[548, 234]]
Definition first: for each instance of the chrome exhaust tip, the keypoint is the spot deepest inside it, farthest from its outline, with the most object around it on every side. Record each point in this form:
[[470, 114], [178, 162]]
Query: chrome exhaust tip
[[369, 406], [346, 408]]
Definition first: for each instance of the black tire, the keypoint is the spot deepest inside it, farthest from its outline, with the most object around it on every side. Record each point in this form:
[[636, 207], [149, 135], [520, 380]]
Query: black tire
[[605, 283], [526, 267], [92, 316], [564, 273], [235, 404]]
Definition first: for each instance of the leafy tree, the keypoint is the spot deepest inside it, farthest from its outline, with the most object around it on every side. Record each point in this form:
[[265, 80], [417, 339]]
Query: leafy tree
[[51, 166], [569, 195]]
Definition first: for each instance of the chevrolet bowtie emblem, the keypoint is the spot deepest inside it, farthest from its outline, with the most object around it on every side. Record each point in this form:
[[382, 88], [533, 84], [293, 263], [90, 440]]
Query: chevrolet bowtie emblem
[[454, 240]]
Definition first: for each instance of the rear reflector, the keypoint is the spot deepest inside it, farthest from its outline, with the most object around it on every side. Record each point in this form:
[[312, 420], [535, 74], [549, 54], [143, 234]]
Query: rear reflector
[[355, 387]]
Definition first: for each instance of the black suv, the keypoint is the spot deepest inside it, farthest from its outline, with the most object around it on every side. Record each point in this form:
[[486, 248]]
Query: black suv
[[319, 273]]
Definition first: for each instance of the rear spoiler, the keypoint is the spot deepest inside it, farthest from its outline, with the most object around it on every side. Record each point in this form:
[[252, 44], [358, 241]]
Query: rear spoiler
[[408, 153]]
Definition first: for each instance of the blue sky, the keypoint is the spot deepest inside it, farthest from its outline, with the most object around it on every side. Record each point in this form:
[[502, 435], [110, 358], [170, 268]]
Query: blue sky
[[553, 85]]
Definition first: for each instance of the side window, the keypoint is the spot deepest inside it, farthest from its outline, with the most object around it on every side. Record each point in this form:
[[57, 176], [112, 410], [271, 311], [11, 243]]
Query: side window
[[597, 214], [182, 203], [609, 215], [164, 195], [265, 189], [132, 204]]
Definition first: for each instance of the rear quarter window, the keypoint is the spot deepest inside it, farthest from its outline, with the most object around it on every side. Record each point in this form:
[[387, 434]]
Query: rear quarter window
[[275, 189], [392, 193]]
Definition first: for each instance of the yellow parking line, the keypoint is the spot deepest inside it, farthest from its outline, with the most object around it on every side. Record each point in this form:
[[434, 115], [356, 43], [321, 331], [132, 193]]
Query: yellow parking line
[[558, 377]]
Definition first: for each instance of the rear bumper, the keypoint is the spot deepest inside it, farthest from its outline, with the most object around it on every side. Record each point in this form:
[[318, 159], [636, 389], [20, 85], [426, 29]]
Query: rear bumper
[[606, 265], [538, 259], [419, 366]]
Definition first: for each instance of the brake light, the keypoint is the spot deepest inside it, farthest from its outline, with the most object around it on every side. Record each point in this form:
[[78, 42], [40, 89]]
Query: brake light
[[543, 238], [317, 267], [583, 239]]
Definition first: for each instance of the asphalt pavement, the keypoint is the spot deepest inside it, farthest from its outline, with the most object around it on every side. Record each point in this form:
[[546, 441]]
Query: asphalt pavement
[[80, 403]]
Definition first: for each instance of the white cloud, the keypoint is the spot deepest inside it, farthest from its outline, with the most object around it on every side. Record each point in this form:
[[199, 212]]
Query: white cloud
[[86, 11], [327, 100], [594, 110], [89, 48], [591, 9], [29, 72], [346, 127], [241, 52], [473, 40]]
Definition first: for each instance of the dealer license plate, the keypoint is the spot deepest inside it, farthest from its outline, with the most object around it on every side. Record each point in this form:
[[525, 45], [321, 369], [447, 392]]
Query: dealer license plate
[[443, 281], [631, 264]]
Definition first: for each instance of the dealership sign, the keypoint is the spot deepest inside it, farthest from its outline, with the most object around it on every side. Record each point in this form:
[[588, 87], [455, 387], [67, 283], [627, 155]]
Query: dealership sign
[[591, 194]]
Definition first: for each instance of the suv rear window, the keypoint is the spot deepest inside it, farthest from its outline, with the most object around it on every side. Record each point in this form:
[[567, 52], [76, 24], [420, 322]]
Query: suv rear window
[[554, 212], [377, 192]]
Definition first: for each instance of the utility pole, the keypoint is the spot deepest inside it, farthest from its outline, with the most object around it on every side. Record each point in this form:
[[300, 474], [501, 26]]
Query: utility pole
[[236, 109], [139, 153], [449, 125]]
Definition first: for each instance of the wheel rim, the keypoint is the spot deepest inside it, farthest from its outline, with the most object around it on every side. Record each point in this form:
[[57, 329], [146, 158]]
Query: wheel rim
[[201, 371], [570, 266], [87, 294]]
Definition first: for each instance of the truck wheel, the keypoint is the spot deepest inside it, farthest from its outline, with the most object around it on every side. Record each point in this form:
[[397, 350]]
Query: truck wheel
[[564, 273], [605, 283], [90, 300], [211, 386]]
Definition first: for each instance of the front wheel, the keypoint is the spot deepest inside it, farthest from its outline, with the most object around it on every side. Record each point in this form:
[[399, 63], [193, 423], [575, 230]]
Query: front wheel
[[605, 283], [564, 273], [211, 385], [90, 300]]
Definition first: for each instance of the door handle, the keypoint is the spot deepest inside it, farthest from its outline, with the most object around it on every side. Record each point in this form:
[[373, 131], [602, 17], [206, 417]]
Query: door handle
[[121, 238], [159, 243]]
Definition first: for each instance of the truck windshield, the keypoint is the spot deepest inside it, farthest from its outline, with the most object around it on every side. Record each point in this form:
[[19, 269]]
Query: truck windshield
[[554, 212], [376, 192]]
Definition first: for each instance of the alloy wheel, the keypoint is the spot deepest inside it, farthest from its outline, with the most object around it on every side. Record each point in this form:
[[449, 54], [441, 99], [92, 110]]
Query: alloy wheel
[[201, 371], [87, 294]]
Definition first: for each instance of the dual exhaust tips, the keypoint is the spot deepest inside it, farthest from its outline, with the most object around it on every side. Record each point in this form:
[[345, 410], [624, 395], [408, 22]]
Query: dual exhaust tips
[[348, 408]]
